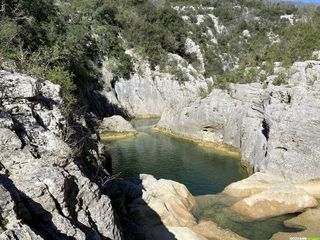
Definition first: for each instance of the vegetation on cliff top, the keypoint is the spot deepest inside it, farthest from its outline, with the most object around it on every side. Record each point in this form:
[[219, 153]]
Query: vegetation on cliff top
[[67, 41]]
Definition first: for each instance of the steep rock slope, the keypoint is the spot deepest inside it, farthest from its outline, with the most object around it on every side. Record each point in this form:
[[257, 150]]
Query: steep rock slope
[[276, 129], [45, 194]]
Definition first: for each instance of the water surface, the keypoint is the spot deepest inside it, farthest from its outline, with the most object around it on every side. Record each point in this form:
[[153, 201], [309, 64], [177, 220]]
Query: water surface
[[202, 170]]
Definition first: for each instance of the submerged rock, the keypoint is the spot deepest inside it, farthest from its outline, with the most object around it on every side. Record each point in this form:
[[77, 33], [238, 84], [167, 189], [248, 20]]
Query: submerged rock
[[278, 200], [211, 230], [308, 221]]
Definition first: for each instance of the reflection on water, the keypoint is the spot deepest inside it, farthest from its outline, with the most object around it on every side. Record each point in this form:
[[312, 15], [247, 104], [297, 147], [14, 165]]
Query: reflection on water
[[202, 170]]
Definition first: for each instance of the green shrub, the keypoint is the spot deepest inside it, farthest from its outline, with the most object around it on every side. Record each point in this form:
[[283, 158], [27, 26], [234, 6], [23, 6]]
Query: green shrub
[[280, 79], [239, 75], [62, 77]]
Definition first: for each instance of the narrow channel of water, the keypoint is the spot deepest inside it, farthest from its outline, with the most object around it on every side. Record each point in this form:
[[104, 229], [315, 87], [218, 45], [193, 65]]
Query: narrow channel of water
[[202, 170]]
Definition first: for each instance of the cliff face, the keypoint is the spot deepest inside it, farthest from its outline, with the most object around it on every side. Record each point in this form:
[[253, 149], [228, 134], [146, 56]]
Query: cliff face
[[44, 193], [275, 127]]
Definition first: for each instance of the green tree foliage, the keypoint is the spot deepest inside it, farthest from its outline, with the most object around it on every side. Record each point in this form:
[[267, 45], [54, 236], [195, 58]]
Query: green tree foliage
[[67, 41], [298, 43]]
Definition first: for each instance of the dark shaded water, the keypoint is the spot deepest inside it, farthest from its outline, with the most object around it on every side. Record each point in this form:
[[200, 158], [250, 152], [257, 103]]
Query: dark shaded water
[[202, 170]]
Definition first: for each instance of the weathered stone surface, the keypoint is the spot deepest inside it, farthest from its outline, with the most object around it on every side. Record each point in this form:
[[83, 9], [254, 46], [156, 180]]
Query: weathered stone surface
[[276, 129], [54, 198], [309, 221], [210, 230], [115, 124], [172, 233], [254, 184], [278, 200], [170, 200], [17, 86], [149, 92], [164, 211], [10, 226], [259, 182]]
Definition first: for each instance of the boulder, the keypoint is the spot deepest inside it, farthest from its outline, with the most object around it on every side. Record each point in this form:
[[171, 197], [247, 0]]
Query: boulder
[[256, 183], [164, 211], [169, 200], [115, 124], [116, 127], [259, 182], [281, 199]]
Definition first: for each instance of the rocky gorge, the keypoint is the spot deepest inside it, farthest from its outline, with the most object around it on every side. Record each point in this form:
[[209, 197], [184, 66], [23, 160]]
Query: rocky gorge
[[229, 83], [275, 128], [47, 193]]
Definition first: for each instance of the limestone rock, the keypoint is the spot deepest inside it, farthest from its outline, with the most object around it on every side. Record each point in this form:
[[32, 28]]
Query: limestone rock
[[309, 221], [276, 129], [148, 92], [172, 233], [276, 201], [171, 201], [115, 124], [259, 182], [254, 184], [185, 233], [210, 230], [164, 211], [52, 196], [17, 86]]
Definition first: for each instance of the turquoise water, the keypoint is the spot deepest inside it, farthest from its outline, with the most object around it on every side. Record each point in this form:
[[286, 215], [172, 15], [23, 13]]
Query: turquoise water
[[202, 170]]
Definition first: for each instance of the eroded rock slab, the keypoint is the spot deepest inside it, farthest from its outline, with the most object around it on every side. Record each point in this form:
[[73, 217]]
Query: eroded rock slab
[[308, 220], [281, 199], [164, 211]]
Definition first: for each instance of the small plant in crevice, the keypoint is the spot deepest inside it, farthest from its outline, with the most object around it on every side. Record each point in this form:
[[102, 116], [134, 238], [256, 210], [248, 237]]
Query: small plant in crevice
[[204, 92], [280, 79]]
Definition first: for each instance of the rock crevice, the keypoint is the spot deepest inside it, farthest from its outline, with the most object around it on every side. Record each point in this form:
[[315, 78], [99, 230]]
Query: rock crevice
[[48, 195]]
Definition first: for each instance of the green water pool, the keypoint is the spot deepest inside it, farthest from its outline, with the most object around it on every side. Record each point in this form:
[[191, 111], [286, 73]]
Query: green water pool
[[204, 171]]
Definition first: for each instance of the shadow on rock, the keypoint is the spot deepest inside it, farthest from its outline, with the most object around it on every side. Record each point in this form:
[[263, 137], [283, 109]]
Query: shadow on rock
[[138, 219], [32, 213]]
